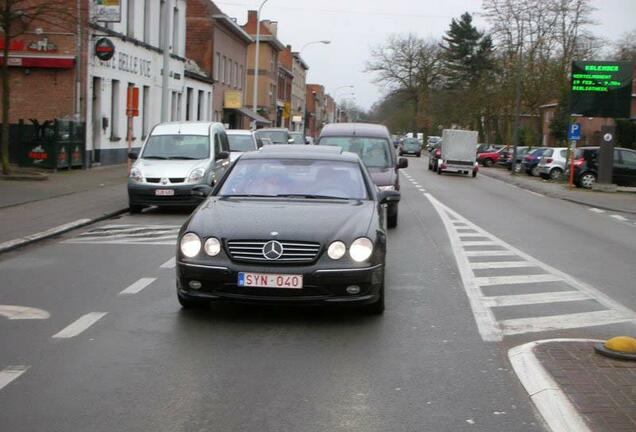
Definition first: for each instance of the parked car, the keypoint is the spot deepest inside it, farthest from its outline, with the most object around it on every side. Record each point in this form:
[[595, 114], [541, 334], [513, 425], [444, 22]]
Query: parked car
[[276, 135], [434, 154], [521, 152], [531, 160], [410, 146], [372, 143], [490, 156], [298, 138], [481, 148], [553, 163], [241, 141], [174, 158], [336, 256], [586, 167]]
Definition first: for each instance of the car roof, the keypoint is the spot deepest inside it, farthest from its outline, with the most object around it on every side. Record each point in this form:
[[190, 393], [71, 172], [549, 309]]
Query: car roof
[[355, 129], [186, 128], [272, 130], [238, 132], [289, 151]]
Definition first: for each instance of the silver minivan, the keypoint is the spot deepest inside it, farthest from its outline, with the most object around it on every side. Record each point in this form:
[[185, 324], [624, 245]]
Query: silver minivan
[[174, 158]]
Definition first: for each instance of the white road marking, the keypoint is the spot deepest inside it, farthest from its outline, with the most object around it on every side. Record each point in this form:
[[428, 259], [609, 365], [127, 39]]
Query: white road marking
[[528, 299], [171, 263], [516, 279], [489, 327], [128, 234], [555, 407], [11, 373], [559, 322], [469, 234], [14, 312], [619, 217], [534, 193], [138, 286], [500, 264], [596, 210], [479, 243], [78, 326]]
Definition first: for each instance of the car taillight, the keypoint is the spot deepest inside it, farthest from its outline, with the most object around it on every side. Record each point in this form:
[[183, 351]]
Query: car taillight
[[578, 162], [548, 160], [438, 152]]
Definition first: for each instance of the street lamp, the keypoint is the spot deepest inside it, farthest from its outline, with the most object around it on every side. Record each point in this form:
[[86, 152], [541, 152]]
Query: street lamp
[[256, 62], [324, 42]]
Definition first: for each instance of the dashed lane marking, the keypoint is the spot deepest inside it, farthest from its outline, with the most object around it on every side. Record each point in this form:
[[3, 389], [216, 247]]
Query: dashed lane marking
[[14, 312], [570, 289], [128, 234], [596, 210], [80, 325], [171, 263], [11, 373], [619, 217], [138, 286]]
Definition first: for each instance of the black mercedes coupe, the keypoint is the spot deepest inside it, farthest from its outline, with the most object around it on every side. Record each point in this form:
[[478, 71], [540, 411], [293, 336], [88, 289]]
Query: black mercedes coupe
[[287, 225]]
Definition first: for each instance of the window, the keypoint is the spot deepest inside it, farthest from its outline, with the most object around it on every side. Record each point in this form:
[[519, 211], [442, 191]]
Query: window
[[222, 77], [217, 67], [189, 91], [228, 72], [162, 31], [130, 18], [173, 106], [200, 105], [175, 31], [147, 20], [145, 115], [207, 106], [629, 158], [241, 78], [230, 81], [114, 110], [236, 74]]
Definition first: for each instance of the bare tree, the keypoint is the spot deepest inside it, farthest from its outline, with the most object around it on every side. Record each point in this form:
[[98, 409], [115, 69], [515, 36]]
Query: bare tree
[[625, 47], [17, 17]]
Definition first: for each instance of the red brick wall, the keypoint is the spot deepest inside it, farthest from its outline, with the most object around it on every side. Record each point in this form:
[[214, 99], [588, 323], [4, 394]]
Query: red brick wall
[[200, 33]]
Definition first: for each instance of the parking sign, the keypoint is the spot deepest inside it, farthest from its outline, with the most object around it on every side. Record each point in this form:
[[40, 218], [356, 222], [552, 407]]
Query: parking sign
[[574, 132]]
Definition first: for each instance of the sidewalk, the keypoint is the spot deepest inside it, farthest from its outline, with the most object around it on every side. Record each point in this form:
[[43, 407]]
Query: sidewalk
[[624, 202], [67, 198]]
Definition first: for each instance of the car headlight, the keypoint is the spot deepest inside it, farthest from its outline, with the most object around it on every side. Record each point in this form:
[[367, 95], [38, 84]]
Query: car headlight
[[196, 175], [386, 188], [190, 245], [336, 250], [361, 249], [212, 246], [136, 175]]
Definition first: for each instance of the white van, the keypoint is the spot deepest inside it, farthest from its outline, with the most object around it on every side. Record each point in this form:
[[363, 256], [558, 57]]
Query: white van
[[174, 158]]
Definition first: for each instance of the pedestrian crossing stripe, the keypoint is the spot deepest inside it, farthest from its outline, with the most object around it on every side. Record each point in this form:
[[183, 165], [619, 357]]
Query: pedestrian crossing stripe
[[128, 234], [491, 329]]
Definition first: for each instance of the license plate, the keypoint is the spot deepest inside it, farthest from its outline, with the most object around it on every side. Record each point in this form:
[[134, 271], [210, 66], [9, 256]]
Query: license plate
[[164, 192], [266, 280]]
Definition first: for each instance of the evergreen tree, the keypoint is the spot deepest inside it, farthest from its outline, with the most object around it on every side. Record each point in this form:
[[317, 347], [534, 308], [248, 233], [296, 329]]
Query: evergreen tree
[[467, 53]]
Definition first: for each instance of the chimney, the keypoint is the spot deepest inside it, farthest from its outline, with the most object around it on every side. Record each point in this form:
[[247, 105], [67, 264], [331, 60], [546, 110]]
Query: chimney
[[251, 16]]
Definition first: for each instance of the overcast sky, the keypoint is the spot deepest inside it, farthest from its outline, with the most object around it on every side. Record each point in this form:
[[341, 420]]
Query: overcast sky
[[354, 26]]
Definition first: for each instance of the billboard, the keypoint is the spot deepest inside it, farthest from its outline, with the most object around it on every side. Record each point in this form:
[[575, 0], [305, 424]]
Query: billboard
[[601, 89], [106, 11]]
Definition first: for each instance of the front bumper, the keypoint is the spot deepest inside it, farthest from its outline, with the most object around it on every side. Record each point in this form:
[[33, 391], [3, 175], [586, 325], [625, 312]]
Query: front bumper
[[320, 285], [144, 194]]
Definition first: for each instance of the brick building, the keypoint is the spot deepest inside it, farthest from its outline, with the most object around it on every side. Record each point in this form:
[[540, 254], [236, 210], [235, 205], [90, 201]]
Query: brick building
[[315, 116], [292, 61], [283, 102], [269, 48]]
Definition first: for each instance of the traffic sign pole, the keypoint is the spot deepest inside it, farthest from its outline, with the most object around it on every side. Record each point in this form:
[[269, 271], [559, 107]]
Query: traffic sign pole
[[572, 152]]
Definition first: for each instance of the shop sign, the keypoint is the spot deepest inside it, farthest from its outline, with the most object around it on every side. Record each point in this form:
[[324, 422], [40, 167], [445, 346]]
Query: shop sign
[[125, 62], [104, 49], [106, 10], [232, 99], [38, 154]]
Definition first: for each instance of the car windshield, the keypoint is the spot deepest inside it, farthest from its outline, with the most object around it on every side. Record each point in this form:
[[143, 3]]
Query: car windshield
[[295, 178], [412, 143], [374, 152], [297, 137], [241, 143], [177, 147], [538, 152], [277, 137]]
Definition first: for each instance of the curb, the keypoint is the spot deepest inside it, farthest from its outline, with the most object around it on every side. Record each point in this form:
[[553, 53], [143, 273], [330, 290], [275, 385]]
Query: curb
[[553, 404], [60, 229], [551, 195]]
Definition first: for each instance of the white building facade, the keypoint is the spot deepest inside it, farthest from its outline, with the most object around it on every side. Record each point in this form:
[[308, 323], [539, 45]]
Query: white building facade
[[138, 62]]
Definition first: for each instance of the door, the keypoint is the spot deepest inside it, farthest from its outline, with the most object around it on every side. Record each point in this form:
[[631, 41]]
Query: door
[[96, 116], [625, 168]]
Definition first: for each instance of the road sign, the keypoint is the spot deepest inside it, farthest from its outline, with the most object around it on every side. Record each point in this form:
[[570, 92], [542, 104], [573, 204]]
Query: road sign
[[574, 132]]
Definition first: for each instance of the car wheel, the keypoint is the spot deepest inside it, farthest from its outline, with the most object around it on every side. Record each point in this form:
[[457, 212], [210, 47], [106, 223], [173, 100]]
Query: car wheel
[[188, 303], [587, 180], [535, 171], [556, 173], [488, 162], [377, 308], [135, 208], [392, 216], [419, 154]]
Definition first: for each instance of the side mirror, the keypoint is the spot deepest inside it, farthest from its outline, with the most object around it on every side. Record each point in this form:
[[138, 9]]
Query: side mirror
[[133, 155], [388, 197], [201, 191], [222, 155], [403, 163]]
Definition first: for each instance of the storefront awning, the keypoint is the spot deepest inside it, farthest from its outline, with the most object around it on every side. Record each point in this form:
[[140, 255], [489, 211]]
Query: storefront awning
[[251, 114]]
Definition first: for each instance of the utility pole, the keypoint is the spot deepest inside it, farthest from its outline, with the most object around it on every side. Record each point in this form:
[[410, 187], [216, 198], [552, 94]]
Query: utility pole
[[515, 127], [165, 77]]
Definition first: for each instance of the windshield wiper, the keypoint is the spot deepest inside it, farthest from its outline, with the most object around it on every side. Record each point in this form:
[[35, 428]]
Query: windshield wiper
[[248, 196], [154, 157], [311, 196], [183, 158]]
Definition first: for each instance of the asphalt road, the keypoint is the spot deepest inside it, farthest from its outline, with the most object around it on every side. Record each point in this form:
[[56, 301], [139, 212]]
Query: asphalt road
[[94, 358]]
